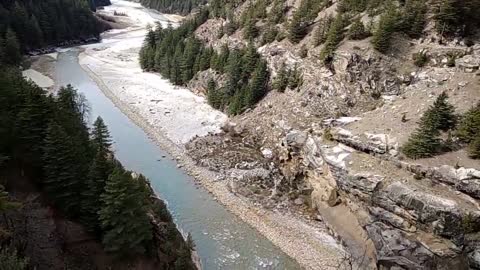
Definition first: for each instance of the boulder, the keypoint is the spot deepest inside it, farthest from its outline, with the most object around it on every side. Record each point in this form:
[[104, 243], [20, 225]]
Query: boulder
[[296, 138], [468, 63]]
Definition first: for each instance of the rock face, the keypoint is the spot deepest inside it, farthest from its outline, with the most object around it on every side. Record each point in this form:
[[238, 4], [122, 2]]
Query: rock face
[[413, 224]]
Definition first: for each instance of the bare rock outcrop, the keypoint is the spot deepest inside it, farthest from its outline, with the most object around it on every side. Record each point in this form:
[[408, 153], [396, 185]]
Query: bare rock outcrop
[[413, 224]]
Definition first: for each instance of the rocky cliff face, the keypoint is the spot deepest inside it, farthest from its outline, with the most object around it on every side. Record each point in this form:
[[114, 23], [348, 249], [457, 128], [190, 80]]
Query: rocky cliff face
[[333, 145]]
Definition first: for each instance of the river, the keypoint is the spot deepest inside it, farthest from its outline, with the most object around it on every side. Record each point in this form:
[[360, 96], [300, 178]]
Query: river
[[223, 241]]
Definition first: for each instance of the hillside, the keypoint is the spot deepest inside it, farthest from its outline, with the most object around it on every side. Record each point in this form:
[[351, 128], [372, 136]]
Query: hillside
[[362, 115]]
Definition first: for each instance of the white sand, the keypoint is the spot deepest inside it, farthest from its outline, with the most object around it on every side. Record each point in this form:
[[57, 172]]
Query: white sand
[[38, 78], [172, 116]]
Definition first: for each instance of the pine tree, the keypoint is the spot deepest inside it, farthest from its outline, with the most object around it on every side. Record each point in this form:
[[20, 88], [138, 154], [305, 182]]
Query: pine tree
[[422, 144], [258, 86], [357, 30], [249, 61], [214, 95], [276, 14], [94, 188], [334, 37], [250, 30], [302, 19], [281, 81], [123, 215], [11, 50], [413, 18], [234, 72], [320, 34], [34, 33], [446, 16], [72, 111], [30, 126], [474, 148], [101, 139], [63, 182], [441, 115], [269, 34], [386, 27], [425, 141], [469, 126], [295, 78]]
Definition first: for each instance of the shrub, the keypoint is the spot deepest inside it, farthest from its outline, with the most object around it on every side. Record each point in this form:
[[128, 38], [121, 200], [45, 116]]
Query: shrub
[[357, 31], [420, 58]]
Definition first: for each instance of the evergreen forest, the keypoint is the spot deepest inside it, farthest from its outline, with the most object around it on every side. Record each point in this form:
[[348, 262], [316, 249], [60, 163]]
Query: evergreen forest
[[26, 25]]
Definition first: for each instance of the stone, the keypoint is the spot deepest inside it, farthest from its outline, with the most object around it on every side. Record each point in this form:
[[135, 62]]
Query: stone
[[363, 182], [296, 138], [312, 154], [474, 258], [267, 153], [299, 201], [385, 216], [468, 63]]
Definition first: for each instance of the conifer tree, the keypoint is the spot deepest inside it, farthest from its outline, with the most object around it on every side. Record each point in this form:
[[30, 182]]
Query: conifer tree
[[281, 81], [446, 16], [276, 14], [357, 30], [98, 173], [423, 143], [295, 78], [234, 72], [63, 182], [413, 18], [11, 50], [320, 34], [334, 37], [123, 215], [94, 188], [385, 29], [71, 114], [30, 126], [249, 61], [474, 148], [214, 95], [250, 30], [258, 86], [441, 115], [101, 139], [469, 126]]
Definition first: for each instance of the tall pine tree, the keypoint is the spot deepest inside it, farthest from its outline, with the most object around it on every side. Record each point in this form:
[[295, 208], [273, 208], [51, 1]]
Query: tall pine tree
[[123, 215]]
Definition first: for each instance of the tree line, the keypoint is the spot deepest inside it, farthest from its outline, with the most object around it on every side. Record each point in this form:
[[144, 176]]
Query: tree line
[[183, 7], [27, 25], [47, 138], [178, 56]]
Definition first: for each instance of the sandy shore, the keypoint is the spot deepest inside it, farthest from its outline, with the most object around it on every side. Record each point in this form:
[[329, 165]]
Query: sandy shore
[[312, 249]]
